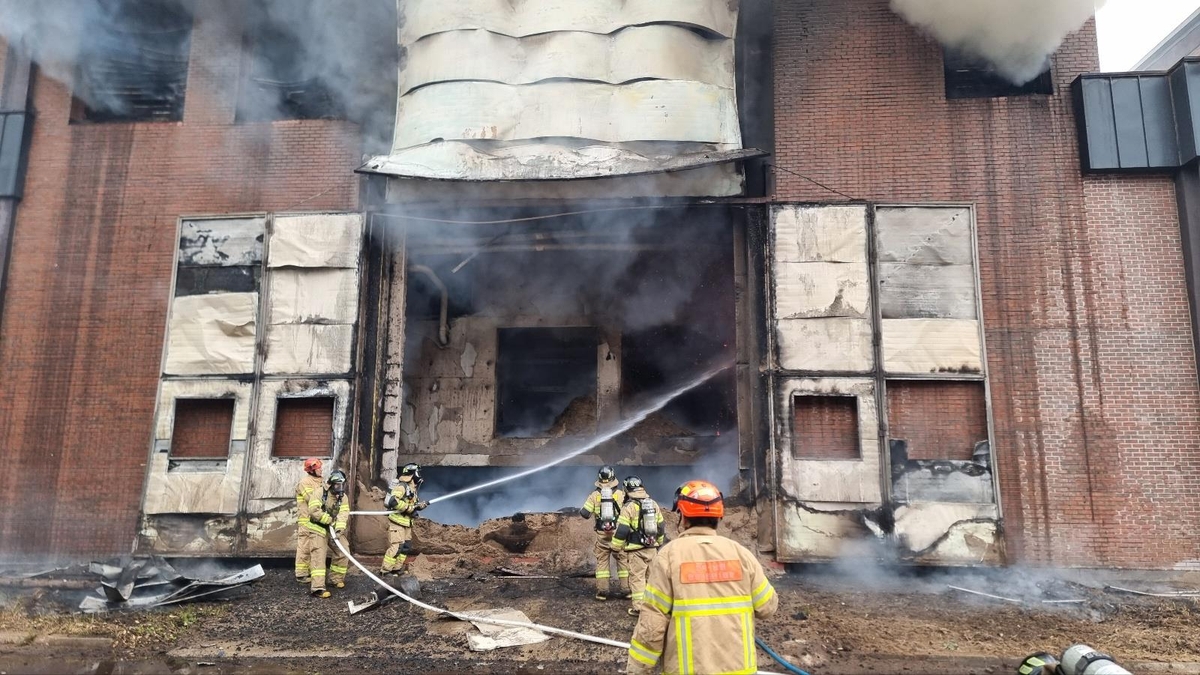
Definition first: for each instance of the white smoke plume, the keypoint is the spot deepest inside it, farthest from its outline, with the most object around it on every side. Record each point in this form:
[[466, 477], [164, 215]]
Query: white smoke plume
[[1015, 36]]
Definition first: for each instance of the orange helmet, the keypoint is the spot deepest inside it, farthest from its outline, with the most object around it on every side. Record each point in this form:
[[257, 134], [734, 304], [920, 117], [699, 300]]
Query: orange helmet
[[312, 466], [699, 499]]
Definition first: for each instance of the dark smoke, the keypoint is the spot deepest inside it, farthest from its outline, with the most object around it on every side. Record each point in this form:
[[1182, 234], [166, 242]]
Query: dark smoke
[[294, 57]]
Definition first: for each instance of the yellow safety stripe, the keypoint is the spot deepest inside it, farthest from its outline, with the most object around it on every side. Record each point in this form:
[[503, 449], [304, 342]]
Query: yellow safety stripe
[[301, 566], [642, 653], [318, 573], [638, 596], [398, 519], [315, 528], [622, 574], [724, 599], [747, 642], [624, 521], [303, 520], [603, 574], [763, 594], [619, 543], [659, 599], [345, 508], [339, 569]]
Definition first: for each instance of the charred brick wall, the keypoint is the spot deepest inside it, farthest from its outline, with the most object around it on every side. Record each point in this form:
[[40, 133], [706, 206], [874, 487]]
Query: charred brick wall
[[88, 289], [825, 427], [1093, 382]]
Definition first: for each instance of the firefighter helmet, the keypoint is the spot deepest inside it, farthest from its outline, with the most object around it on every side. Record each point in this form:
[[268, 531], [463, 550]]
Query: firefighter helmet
[[337, 476], [312, 466], [699, 499], [412, 471], [632, 483], [606, 474]]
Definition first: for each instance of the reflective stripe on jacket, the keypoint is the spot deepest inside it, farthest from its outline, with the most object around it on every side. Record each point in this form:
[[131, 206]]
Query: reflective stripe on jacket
[[592, 504], [702, 596], [341, 508], [406, 501], [629, 525], [309, 510]]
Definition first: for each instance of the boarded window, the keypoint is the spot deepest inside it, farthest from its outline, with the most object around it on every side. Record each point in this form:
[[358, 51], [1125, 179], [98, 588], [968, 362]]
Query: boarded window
[[545, 378], [939, 420], [134, 64], [825, 427], [281, 83], [968, 77], [202, 428], [303, 427]]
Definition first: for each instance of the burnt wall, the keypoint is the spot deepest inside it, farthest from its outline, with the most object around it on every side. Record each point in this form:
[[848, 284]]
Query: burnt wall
[[1093, 384], [88, 289]]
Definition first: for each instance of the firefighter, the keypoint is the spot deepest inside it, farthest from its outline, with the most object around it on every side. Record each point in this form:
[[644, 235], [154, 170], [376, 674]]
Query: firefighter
[[402, 501], [604, 505], [640, 531], [312, 530], [336, 504], [702, 596]]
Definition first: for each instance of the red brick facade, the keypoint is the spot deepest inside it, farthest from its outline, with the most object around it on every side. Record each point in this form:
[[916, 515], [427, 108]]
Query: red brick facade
[[303, 427], [1096, 410], [940, 420], [92, 257], [202, 428], [826, 427], [1093, 384]]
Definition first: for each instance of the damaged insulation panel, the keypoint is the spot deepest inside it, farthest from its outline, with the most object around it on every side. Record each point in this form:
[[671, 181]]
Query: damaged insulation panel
[[904, 314], [558, 91], [239, 499]]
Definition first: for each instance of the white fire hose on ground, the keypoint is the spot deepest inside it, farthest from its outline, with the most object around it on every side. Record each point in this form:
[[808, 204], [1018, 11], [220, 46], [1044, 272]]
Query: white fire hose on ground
[[483, 619]]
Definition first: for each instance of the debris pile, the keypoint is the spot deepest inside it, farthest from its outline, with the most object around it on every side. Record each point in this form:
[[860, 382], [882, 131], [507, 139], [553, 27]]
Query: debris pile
[[140, 583]]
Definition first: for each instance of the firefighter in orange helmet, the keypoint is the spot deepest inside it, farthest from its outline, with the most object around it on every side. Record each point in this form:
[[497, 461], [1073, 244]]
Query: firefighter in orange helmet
[[702, 596], [312, 529]]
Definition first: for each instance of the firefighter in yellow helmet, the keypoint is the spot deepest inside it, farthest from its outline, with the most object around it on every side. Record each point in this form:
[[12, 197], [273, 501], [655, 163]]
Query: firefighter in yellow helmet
[[640, 531], [404, 504], [702, 596], [311, 532], [337, 505], [604, 505]]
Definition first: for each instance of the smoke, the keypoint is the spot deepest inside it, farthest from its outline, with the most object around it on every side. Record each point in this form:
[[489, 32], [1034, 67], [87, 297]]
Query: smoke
[[290, 58], [1015, 36]]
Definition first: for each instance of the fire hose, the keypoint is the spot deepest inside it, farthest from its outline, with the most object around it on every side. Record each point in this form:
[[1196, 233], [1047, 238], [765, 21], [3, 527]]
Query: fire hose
[[500, 622]]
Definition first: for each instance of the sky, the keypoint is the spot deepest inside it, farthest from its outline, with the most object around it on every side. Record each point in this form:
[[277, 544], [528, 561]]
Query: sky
[[1127, 29]]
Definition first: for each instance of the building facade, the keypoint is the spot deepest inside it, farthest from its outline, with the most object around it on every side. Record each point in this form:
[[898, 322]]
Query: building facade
[[936, 326]]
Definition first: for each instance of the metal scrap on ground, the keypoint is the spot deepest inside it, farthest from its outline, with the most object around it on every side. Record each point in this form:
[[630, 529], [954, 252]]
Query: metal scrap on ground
[[1171, 594], [491, 636], [141, 583]]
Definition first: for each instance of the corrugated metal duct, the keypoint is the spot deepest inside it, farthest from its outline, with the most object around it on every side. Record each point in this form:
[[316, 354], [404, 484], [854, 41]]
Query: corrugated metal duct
[[551, 90]]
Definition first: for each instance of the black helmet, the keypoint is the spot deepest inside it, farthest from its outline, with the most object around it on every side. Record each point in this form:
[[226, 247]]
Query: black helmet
[[632, 483], [414, 471], [606, 474], [337, 476]]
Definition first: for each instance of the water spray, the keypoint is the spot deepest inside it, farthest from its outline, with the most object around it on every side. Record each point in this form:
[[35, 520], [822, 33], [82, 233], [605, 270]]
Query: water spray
[[624, 426]]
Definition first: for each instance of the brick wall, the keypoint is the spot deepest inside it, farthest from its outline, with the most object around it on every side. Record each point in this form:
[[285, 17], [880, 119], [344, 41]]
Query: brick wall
[[825, 427], [940, 420], [1093, 383], [303, 427], [87, 293], [202, 428]]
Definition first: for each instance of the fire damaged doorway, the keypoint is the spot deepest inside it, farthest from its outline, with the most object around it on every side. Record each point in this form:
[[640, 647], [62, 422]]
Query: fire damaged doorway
[[523, 339]]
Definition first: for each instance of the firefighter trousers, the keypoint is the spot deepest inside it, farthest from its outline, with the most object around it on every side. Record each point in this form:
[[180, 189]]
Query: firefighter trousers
[[605, 557], [339, 564], [312, 547], [638, 563], [399, 537]]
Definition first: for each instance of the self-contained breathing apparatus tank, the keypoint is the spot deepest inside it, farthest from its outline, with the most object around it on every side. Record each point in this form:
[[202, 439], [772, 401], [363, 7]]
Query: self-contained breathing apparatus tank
[[649, 521], [607, 518]]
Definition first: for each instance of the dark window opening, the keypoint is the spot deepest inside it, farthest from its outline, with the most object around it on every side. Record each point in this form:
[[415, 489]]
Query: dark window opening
[[656, 359], [203, 428], [280, 84], [825, 427], [938, 420], [303, 427], [199, 280], [424, 298], [545, 381], [133, 66], [969, 77]]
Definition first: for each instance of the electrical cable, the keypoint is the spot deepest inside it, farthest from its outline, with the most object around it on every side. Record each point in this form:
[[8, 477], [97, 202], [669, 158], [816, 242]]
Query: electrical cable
[[778, 659], [814, 182]]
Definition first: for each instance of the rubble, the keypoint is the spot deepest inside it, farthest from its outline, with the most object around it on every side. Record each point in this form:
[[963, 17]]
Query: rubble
[[141, 583]]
